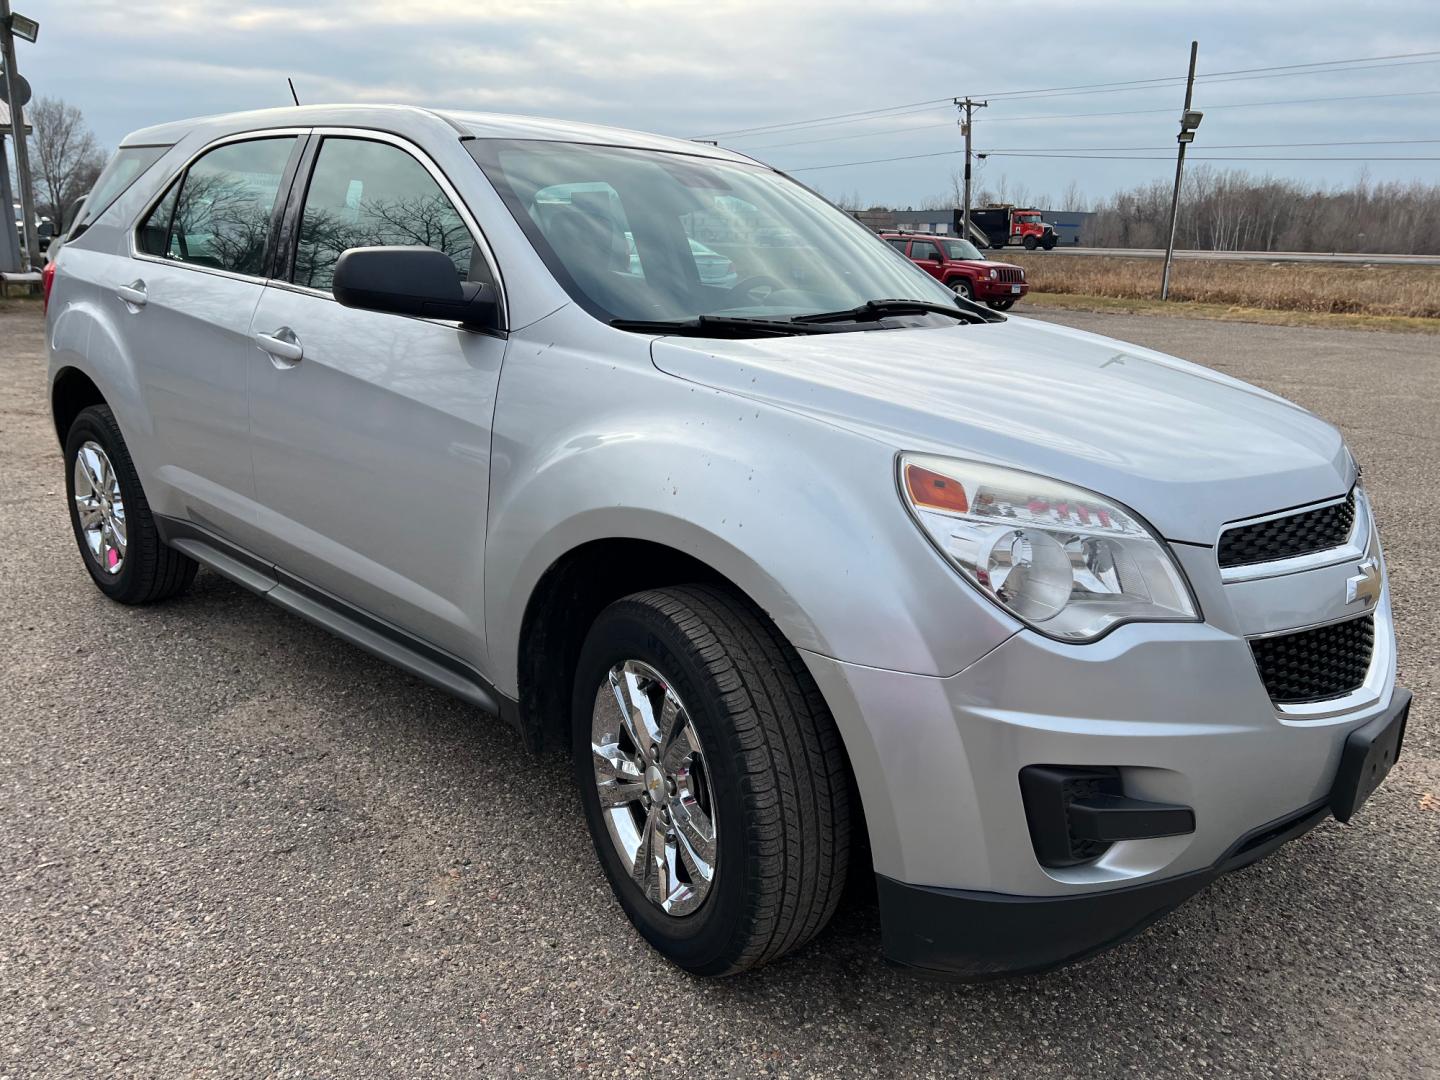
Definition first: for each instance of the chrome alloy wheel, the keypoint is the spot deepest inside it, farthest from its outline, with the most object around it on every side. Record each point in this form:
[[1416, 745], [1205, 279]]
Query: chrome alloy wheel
[[654, 787], [100, 507]]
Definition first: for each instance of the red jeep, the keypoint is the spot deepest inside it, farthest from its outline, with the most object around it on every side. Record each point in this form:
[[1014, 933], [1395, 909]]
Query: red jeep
[[959, 264]]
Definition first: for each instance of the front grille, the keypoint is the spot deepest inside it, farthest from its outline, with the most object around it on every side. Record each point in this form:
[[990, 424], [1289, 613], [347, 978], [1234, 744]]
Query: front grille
[[1285, 537], [1313, 665], [1011, 274]]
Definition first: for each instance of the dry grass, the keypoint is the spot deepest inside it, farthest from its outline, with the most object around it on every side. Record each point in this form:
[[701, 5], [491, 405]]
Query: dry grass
[[1410, 292], [1227, 313]]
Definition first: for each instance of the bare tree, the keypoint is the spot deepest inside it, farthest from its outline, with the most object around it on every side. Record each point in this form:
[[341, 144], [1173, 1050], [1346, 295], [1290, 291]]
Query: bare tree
[[64, 155]]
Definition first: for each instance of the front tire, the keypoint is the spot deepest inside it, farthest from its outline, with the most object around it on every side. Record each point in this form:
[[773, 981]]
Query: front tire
[[1001, 305], [727, 840], [1031, 243], [962, 288], [112, 521]]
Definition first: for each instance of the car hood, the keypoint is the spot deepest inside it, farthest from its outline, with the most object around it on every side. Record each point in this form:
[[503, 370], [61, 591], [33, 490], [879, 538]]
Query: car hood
[[1186, 447], [983, 265]]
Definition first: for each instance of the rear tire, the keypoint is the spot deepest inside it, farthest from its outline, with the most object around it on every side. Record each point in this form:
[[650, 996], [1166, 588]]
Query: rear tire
[[776, 781], [118, 540]]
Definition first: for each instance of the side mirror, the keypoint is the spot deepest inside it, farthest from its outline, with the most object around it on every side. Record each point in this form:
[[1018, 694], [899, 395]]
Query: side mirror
[[413, 281], [939, 256]]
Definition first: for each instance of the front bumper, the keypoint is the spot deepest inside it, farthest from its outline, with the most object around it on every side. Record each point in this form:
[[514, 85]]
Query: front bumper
[[972, 936], [986, 289], [954, 933], [1177, 709]]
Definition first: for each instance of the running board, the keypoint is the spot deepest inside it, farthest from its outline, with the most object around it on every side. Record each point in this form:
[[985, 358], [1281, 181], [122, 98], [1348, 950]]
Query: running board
[[341, 618]]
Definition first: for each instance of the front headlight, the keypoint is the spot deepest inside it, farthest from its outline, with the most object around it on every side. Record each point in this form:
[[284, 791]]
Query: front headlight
[[1063, 560], [994, 273]]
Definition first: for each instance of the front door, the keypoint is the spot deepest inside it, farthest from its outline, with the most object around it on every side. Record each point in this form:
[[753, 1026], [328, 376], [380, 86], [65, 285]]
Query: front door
[[371, 431], [927, 256], [185, 301]]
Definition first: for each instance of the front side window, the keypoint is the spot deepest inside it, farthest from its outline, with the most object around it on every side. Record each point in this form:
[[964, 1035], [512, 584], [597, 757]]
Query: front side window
[[372, 194], [924, 251], [639, 235], [962, 250], [219, 213]]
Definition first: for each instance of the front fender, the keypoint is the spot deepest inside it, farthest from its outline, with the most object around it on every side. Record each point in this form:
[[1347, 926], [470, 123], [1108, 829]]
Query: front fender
[[799, 514]]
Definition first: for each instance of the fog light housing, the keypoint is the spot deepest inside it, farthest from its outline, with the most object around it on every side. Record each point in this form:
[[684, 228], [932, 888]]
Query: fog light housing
[[1076, 813]]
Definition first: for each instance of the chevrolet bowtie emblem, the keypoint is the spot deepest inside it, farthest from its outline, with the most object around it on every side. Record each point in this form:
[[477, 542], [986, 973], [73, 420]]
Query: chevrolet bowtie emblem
[[1365, 585]]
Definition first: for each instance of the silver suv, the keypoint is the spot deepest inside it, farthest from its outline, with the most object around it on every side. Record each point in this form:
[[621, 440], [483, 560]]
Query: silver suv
[[816, 570]]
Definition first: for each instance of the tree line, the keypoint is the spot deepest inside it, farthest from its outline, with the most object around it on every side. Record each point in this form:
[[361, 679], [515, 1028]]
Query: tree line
[[1233, 210]]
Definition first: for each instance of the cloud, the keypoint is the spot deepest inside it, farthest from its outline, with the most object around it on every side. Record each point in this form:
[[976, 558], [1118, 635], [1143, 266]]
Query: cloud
[[697, 66]]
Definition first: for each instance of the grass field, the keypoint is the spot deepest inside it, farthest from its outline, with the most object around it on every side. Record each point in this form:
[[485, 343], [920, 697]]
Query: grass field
[[1407, 293]]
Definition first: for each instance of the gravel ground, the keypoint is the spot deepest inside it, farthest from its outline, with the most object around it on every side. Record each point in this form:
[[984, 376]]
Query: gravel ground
[[231, 845]]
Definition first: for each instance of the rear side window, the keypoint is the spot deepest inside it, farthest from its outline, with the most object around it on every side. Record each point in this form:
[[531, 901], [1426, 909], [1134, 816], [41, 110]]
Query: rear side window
[[127, 166], [218, 215], [372, 194], [898, 244]]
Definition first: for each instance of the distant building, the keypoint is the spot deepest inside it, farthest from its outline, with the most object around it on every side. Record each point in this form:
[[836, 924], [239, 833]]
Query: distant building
[[1069, 224]]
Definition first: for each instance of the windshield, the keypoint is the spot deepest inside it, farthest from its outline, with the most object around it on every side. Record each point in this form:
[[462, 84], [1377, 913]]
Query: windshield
[[962, 249], [640, 235]]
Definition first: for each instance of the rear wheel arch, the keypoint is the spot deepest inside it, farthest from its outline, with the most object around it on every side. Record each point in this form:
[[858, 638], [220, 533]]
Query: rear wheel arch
[[71, 392]]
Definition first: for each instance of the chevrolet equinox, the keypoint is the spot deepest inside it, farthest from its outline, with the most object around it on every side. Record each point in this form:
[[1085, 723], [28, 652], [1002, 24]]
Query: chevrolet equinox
[[808, 562]]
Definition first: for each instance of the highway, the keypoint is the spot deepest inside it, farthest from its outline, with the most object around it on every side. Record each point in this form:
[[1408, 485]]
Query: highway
[[1240, 256]]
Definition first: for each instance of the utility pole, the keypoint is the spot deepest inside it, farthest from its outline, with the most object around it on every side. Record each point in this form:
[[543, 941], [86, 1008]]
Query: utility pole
[[1189, 121], [13, 97], [965, 126]]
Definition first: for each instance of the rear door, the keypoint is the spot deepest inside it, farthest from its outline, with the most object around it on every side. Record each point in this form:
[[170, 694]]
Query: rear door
[[183, 301], [371, 431]]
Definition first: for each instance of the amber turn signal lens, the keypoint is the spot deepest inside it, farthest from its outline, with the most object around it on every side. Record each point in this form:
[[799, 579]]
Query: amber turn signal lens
[[935, 491]]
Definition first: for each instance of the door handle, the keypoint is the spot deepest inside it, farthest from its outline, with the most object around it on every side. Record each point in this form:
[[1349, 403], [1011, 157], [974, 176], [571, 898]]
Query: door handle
[[133, 294], [282, 344]]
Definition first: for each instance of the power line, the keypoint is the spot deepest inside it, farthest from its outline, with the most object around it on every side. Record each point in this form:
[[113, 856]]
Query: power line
[[1210, 108], [1208, 146], [1100, 157], [819, 120], [1049, 115], [1217, 74], [1313, 67], [1210, 157], [1068, 116], [1215, 80]]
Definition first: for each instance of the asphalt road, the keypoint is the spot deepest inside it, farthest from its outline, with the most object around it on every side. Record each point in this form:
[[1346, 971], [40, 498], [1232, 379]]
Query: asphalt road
[[1245, 256], [233, 846]]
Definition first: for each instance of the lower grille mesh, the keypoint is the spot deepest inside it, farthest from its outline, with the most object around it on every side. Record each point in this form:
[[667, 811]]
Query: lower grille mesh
[[1313, 665]]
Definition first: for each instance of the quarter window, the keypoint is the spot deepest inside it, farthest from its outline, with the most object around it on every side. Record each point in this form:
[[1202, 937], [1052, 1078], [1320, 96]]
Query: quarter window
[[370, 194], [220, 213]]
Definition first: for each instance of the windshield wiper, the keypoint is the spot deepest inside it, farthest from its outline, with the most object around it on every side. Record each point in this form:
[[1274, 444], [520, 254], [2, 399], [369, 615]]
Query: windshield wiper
[[720, 326], [872, 310]]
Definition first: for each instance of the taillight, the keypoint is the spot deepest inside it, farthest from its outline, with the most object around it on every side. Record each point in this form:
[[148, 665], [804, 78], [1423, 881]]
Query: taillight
[[47, 282]]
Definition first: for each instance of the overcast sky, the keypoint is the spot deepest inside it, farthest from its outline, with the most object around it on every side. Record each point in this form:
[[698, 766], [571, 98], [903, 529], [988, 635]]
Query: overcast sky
[[702, 68]]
